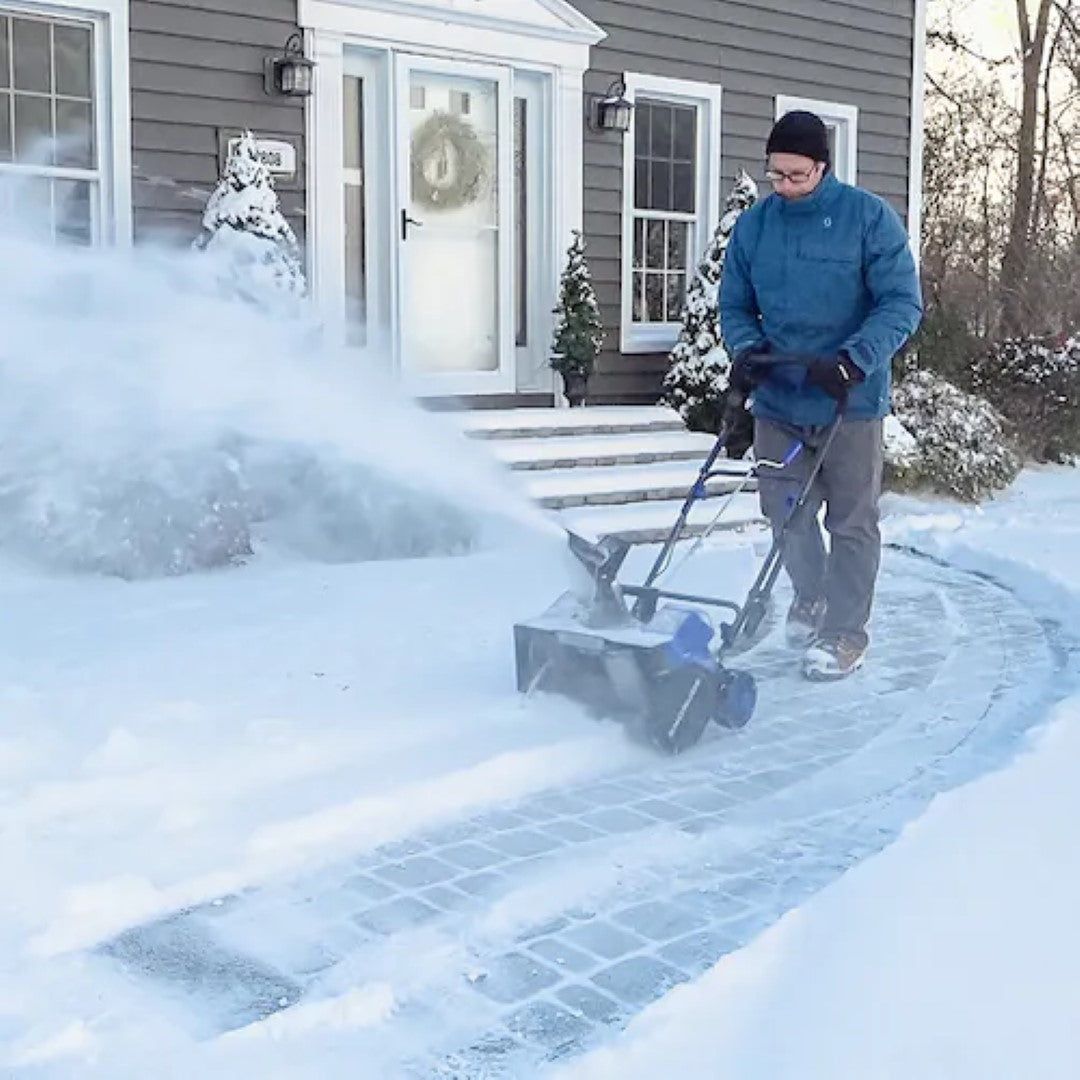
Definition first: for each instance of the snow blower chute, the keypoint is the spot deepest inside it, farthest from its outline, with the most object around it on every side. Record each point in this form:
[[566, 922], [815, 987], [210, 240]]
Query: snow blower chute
[[649, 656]]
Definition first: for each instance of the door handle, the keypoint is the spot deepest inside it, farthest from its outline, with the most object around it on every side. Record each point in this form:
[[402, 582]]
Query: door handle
[[406, 221]]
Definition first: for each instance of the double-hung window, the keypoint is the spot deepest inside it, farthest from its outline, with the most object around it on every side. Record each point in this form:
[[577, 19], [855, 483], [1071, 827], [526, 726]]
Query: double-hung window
[[671, 166], [57, 153]]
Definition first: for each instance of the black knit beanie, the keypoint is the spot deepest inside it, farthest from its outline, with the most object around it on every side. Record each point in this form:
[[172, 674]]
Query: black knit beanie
[[799, 133]]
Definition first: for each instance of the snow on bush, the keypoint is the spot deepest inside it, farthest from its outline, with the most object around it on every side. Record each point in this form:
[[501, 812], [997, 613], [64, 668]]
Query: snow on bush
[[697, 380], [325, 507], [150, 514], [253, 248], [947, 440], [151, 429], [1035, 384]]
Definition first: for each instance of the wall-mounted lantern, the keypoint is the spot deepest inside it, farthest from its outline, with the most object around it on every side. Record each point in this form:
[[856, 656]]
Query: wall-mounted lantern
[[289, 74], [613, 111]]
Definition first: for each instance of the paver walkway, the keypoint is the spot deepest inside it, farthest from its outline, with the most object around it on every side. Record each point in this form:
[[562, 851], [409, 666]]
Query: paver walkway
[[533, 932]]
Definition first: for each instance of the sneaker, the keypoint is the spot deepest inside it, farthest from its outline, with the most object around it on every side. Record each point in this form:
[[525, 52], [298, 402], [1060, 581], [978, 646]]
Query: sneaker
[[834, 657], [804, 621]]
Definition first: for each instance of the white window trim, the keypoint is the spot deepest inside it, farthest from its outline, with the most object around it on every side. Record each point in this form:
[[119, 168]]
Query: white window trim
[[839, 113], [918, 130], [113, 99], [706, 97]]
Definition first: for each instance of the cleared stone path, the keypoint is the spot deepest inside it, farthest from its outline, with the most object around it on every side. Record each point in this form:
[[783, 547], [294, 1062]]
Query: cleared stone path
[[533, 932]]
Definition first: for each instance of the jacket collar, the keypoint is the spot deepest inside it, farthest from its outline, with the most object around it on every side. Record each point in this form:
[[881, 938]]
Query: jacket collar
[[819, 198]]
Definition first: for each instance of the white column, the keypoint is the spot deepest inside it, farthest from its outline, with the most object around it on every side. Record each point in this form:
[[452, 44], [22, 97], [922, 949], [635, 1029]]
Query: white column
[[325, 183], [568, 187], [916, 142]]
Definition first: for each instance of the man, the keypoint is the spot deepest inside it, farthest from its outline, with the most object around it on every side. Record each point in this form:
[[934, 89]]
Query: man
[[820, 269]]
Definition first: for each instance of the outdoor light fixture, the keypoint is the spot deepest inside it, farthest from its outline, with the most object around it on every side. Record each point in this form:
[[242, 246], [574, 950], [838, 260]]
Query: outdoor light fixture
[[613, 111], [290, 73]]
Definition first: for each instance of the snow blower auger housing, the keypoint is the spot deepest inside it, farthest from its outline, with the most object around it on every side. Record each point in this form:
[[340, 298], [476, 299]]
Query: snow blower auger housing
[[650, 657]]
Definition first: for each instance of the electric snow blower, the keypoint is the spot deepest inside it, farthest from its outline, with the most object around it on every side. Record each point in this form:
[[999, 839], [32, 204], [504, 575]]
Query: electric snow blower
[[649, 656]]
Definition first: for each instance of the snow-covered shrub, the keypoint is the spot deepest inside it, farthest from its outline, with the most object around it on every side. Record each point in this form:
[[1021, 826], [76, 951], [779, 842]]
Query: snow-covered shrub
[[253, 248], [1035, 384], [190, 508], [956, 443], [171, 513], [326, 508], [901, 452], [697, 380], [152, 427]]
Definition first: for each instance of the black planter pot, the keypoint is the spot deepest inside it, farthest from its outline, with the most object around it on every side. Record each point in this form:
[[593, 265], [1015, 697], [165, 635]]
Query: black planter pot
[[575, 386]]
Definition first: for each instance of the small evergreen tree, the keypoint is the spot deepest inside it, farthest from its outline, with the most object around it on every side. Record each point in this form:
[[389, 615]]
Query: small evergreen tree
[[579, 333], [697, 380], [243, 227]]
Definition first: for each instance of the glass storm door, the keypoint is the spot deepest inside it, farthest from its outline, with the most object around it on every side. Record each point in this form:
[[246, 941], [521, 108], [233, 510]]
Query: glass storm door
[[454, 226]]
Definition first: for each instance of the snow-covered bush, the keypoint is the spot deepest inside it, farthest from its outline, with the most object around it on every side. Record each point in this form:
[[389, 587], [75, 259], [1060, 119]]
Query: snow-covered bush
[[253, 248], [164, 514], [697, 380], [1035, 384], [326, 508], [153, 427], [946, 440]]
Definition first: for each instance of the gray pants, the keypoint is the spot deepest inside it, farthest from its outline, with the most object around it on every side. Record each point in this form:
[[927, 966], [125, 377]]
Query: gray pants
[[849, 485]]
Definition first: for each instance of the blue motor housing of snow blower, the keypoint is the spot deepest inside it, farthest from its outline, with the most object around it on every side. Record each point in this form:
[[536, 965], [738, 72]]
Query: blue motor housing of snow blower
[[659, 678]]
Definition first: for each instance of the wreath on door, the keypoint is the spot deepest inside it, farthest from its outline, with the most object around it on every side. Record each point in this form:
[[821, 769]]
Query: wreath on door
[[449, 162]]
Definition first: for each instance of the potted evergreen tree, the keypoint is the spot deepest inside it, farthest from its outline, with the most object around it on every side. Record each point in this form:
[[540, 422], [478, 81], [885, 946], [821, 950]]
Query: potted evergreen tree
[[579, 334]]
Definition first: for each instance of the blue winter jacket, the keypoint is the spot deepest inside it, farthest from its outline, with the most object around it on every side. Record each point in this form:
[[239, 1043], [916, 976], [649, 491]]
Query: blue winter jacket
[[815, 276]]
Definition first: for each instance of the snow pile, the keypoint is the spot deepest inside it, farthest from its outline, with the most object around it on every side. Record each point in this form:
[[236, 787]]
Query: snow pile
[[253, 248], [152, 427], [697, 380], [957, 443], [1035, 384]]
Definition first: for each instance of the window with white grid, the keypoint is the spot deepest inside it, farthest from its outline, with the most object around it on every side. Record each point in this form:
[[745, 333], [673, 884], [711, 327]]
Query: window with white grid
[[50, 172], [665, 207], [671, 165]]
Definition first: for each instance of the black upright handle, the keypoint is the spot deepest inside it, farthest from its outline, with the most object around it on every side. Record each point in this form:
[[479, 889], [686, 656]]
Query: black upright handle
[[406, 221]]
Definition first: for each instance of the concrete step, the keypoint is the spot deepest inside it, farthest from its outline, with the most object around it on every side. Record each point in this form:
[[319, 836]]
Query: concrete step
[[619, 470], [607, 485], [620, 448], [650, 522], [559, 423]]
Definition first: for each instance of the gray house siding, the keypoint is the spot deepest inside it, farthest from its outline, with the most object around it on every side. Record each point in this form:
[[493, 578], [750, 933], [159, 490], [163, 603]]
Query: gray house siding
[[857, 52], [197, 72]]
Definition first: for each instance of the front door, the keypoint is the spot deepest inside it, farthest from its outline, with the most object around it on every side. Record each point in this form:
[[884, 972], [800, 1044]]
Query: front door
[[453, 217]]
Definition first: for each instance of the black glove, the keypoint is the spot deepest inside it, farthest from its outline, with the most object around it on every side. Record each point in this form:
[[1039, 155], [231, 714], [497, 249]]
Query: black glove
[[737, 427], [837, 377], [747, 370]]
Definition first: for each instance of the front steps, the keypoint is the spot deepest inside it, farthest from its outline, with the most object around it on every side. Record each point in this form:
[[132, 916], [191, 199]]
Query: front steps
[[614, 470]]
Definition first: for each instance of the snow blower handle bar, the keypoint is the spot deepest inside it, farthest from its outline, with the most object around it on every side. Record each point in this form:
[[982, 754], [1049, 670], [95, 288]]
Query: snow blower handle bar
[[754, 609], [708, 471]]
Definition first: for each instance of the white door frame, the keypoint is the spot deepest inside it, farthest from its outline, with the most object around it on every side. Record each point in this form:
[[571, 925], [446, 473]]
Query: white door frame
[[383, 26], [458, 382]]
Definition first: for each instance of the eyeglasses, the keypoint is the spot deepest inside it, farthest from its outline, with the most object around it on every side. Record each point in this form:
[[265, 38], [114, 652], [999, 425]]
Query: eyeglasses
[[775, 176]]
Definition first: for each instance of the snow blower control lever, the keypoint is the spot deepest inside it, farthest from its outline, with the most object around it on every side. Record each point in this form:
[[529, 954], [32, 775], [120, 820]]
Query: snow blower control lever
[[622, 652]]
